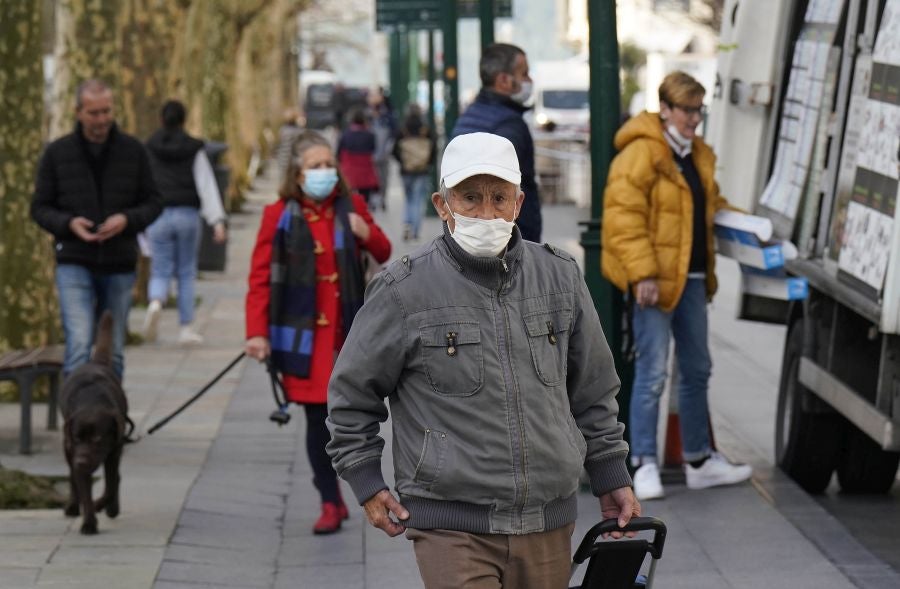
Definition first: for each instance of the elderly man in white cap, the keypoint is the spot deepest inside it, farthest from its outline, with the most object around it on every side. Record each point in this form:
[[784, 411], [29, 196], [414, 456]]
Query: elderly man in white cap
[[501, 389]]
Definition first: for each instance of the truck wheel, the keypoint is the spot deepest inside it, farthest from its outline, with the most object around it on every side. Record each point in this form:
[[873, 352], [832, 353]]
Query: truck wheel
[[863, 467], [806, 442]]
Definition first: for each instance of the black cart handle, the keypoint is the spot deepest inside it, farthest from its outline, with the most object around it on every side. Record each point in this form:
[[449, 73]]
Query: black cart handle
[[636, 524]]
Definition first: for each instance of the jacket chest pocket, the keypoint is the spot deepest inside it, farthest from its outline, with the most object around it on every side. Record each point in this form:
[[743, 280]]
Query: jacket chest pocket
[[548, 338], [453, 358]]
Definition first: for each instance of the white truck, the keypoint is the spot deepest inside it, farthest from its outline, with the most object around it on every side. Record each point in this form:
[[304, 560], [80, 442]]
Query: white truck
[[805, 120]]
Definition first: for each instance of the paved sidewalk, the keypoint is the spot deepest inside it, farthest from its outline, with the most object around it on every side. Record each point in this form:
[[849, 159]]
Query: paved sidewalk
[[221, 497]]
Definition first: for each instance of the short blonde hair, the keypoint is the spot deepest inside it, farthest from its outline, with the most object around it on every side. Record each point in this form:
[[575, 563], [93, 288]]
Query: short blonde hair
[[678, 88]]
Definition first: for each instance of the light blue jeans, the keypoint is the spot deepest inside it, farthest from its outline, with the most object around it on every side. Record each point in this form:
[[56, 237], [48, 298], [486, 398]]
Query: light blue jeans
[[652, 331], [83, 296], [415, 186], [174, 238]]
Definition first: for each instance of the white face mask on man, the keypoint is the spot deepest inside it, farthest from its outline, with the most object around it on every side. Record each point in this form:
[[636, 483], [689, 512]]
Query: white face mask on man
[[524, 93], [482, 238]]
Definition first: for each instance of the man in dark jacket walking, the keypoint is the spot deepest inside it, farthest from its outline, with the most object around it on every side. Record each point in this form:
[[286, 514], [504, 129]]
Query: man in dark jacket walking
[[498, 109], [94, 193]]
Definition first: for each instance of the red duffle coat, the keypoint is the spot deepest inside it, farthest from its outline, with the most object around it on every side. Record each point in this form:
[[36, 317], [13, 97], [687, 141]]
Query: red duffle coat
[[329, 334]]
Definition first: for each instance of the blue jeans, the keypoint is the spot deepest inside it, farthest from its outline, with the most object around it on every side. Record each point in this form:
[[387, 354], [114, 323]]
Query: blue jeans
[[83, 296], [415, 186], [174, 238], [652, 330]]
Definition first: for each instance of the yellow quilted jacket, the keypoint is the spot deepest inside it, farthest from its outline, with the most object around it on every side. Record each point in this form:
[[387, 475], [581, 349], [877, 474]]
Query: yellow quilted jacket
[[647, 211]]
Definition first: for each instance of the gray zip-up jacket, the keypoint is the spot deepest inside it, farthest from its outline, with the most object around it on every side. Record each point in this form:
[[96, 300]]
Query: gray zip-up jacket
[[501, 388]]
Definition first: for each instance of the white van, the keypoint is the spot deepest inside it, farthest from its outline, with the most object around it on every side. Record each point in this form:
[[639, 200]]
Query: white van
[[561, 98]]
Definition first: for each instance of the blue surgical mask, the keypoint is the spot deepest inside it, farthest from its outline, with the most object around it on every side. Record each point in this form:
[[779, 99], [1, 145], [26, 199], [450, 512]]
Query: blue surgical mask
[[318, 183]]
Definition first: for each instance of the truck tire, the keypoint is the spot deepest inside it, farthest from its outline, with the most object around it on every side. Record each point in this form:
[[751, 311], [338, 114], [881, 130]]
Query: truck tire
[[863, 467], [806, 442]]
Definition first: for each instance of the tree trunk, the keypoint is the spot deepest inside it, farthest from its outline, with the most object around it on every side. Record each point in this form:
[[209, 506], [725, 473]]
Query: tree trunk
[[148, 30], [86, 47], [28, 311]]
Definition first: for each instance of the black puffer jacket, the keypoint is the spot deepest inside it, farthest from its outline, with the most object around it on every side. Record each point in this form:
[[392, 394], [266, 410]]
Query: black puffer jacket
[[72, 183], [172, 153]]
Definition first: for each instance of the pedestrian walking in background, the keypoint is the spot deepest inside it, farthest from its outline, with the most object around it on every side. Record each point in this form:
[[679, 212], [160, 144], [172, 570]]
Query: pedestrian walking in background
[[356, 151], [94, 193], [660, 200], [287, 133], [384, 126], [414, 148], [501, 386], [305, 287], [498, 109], [189, 190]]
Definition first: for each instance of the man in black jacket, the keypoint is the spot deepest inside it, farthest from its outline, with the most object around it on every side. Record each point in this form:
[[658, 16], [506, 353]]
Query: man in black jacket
[[94, 193], [498, 109]]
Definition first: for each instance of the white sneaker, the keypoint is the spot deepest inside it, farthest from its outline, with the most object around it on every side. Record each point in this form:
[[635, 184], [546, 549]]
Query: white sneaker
[[188, 336], [716, 471], [647, 484], [151, 321]]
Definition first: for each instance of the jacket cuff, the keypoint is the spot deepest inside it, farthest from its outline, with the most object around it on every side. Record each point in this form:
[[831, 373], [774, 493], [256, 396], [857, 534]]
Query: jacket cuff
[[608, 473], [365, 479]]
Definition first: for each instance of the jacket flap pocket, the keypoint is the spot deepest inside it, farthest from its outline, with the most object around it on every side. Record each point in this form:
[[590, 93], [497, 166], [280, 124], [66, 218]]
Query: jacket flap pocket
[[543, 322], [446, 333]]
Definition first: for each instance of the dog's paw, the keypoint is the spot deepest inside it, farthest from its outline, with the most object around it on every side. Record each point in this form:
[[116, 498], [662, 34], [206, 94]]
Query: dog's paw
[[72, 510], [89, 528], [100, 503], [112, 510]]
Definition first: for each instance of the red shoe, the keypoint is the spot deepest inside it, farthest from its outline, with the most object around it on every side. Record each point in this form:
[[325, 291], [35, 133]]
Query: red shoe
[[330, 520]]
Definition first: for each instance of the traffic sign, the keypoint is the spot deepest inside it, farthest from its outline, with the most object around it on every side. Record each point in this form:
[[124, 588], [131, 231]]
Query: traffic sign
[[469, 8], [407, 14], [414, 15]]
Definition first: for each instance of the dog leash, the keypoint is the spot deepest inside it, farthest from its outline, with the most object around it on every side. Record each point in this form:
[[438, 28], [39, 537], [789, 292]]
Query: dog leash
[[280, 415], [190, 401]]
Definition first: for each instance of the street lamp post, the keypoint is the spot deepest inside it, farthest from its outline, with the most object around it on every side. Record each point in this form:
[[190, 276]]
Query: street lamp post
[[605, 116], [486, 14]]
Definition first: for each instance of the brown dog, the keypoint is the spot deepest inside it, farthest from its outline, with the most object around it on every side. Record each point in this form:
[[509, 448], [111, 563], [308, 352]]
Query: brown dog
[[96, 412]]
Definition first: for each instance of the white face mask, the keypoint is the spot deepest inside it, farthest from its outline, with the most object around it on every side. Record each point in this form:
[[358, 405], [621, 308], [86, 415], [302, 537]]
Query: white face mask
[[482, 238], [680, 139], [524, 92]]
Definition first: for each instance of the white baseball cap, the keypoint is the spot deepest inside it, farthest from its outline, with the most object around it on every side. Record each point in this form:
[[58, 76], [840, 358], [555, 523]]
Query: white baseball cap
[[479, 153]]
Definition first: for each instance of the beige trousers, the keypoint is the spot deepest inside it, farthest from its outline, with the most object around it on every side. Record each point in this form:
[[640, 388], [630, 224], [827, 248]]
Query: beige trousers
[[459, 560]]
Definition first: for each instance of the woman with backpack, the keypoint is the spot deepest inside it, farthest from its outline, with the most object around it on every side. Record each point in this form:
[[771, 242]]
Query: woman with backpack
[[414, 149]]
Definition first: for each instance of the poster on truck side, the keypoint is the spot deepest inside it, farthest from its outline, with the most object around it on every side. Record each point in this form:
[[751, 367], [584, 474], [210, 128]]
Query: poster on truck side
[[800, 114], [867, 209]]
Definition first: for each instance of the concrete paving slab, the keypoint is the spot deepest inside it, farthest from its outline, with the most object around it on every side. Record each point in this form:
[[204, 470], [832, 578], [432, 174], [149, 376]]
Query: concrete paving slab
[[19, 577], [346, 576], [90, 576], [233, 575]]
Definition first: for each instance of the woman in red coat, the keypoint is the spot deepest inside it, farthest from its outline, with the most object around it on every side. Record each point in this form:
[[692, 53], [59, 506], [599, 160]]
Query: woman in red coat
[[305, 286], [356, 150]]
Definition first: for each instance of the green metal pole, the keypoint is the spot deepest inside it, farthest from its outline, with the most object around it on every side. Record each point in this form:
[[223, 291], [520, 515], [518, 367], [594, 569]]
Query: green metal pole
[[451, 74], [394, 68], [402, 71], [413, 66], [486, 14], [429, 211], [605, 115]]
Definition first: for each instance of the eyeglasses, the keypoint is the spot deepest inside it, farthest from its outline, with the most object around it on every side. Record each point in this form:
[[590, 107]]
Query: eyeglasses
[[700, 111]]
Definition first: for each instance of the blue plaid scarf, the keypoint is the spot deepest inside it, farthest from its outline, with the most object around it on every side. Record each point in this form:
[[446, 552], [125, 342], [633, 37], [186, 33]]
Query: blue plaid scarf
[[292, 303]]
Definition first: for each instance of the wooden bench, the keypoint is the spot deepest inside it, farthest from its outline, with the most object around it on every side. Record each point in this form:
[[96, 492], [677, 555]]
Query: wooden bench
[[23, 367]]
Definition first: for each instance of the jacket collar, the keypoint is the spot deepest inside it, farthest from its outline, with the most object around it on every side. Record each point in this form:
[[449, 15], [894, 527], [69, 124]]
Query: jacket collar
[[488, 96], [488, 272]]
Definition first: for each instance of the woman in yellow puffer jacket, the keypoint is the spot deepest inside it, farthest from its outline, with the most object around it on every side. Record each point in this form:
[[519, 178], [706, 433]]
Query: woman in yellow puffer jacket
[[659, 203]]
